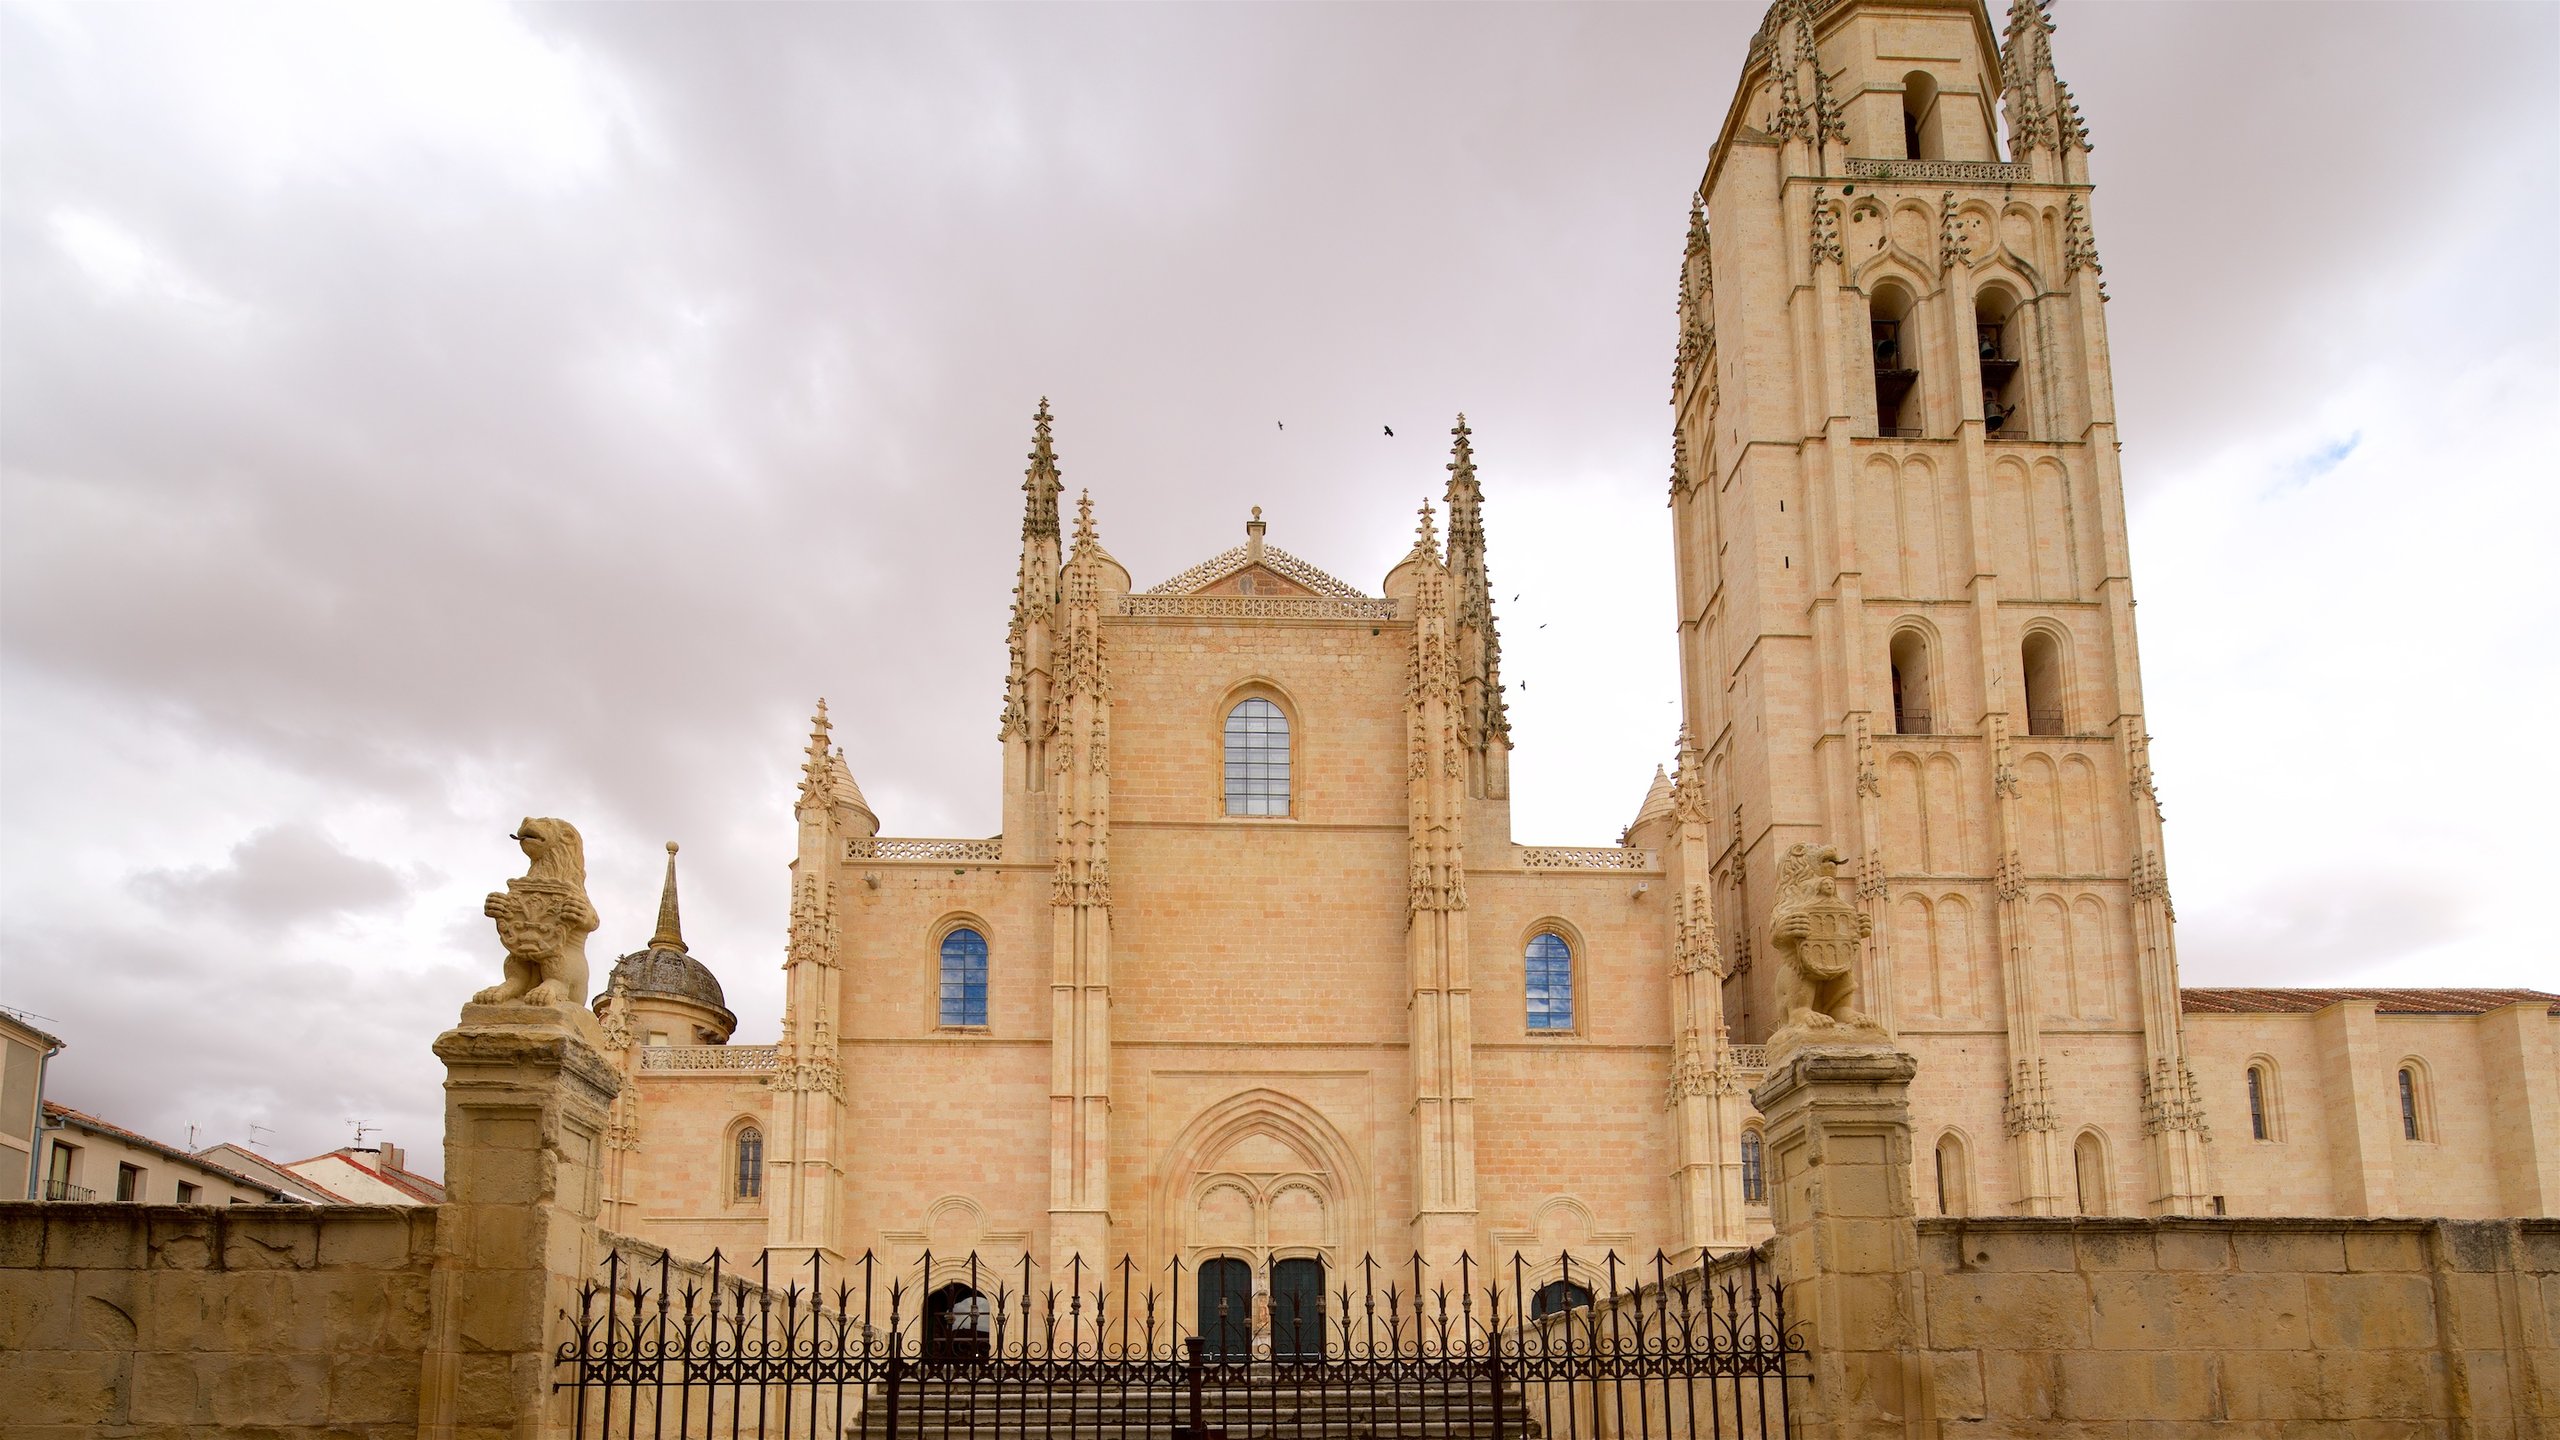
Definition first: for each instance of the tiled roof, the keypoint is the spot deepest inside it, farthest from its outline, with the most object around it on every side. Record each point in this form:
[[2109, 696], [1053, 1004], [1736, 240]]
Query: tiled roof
[[2385, 1002], [64, 1114]]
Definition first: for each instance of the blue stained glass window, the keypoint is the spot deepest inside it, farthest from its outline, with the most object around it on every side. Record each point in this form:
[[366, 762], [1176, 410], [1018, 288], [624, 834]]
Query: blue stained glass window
[[1257, 759], [1550, 967], [964, 977]]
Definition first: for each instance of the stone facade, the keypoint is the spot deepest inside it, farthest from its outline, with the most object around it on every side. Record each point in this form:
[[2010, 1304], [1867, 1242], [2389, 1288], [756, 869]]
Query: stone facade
[[1211, 1030]]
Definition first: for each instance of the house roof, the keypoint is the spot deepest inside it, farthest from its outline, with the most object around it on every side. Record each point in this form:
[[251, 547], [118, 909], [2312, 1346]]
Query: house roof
[[61, 1114], [1229, 562], [427, 1191], [251, 1163], [2385, 1002]]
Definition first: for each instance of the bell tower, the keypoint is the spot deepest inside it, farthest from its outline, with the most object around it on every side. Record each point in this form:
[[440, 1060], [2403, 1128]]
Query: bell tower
[[1906, 614]]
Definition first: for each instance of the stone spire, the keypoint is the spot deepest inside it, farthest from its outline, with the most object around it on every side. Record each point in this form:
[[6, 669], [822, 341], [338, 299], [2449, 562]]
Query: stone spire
[[1035, 601], [670, 934], [2042, 114], [1807, 110], [1484, 720], [1040, 483]]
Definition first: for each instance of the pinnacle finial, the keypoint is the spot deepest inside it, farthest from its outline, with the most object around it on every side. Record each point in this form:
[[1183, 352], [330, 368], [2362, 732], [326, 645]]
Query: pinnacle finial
[[1084, 518], [1040, 482], [1426, 538], [670, 934]]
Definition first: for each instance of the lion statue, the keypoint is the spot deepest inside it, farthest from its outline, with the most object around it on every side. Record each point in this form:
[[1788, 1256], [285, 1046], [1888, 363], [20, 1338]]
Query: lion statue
[[1816, 935], [543, 920]]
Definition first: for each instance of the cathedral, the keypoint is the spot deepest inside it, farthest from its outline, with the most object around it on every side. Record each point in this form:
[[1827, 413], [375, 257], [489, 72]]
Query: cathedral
[[1256, 973]]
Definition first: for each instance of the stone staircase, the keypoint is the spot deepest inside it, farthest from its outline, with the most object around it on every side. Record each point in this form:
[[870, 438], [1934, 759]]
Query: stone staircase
[[949, 1406]]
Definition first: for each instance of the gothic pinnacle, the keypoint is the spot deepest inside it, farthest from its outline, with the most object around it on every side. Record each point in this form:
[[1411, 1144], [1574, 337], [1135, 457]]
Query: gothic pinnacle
[[817, 782], [1084, 519], [1040, 482], [670, 934]]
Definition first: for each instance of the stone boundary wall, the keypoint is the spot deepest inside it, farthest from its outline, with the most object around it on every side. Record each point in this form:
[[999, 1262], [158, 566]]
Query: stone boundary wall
[[278, 1320], [2234, 1327]]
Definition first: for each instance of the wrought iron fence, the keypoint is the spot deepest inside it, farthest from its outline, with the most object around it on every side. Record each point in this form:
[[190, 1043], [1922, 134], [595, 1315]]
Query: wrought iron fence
[[965, 1349]]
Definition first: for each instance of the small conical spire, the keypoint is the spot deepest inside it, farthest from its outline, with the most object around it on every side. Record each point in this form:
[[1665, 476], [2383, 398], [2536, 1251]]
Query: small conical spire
[[1040, 483], [670, 934], [1426, 536]]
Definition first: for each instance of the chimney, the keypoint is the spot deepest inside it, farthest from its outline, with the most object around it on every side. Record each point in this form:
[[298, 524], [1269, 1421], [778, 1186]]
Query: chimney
[[391, 1156]]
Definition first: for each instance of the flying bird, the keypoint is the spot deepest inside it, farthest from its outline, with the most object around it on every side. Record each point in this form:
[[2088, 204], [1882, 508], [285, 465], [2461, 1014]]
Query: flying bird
[[1283, 424], [1391, 431]]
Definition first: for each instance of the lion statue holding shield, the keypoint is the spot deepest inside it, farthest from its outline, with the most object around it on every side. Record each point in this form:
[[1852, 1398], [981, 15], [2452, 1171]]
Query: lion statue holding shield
[[544, 919]]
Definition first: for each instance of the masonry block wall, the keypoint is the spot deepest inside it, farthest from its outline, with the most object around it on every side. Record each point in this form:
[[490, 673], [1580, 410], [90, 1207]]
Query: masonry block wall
[[2102, 1328], [126, 1320]]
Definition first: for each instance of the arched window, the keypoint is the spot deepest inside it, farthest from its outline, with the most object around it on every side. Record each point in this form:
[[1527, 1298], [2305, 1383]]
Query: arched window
[[1755, 1180], [2262, 1101], [964, 978], [1997, 319], [2040, 663], [2089, 1170], [1912, 713], [1955, 1176], [2415, 1121], [1257, 758], [1893, 334], [1921, 137], [1550, 975], [1557, 1296], [750, 1168]]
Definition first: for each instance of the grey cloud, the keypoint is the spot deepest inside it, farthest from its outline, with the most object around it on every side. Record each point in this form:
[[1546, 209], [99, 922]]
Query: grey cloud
[[280, 877]]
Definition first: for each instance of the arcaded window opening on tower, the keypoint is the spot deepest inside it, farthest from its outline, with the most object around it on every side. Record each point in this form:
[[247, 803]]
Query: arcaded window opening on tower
[[1912, 714], [1922, 139], [2040, 663], [1894, 342], [1998, 346], [1257, 770]]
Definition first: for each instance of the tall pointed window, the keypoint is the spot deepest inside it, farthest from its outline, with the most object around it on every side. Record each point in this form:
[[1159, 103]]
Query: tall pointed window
[[964, 977], [1911, 710], [750, 1168], [1922, 138], [1755, 1180], [2040, 663], [1257, 758], [2089, 1172], [2262, 1101], [1955, 1176], [1997, 319], [2413, 1104], [1550, 975], [1894, 347]]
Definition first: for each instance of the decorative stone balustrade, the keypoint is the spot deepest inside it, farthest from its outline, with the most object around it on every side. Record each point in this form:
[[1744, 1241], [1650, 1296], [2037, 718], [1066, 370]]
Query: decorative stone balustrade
[[1749, 1057], [1254, 607], [720, 1059], [1585, 857], [981, 851], [1959, 172]]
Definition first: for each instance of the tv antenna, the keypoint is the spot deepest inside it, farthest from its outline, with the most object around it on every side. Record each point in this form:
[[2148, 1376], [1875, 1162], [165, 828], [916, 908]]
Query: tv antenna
[[254, 1132], [361, 1130]]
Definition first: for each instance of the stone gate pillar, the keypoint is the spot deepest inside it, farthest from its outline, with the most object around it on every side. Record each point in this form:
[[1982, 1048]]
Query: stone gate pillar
[[528, 1094], [1839, 1155]]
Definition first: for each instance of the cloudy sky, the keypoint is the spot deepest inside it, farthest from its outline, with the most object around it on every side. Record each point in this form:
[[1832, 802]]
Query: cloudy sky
[[417, 417]]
